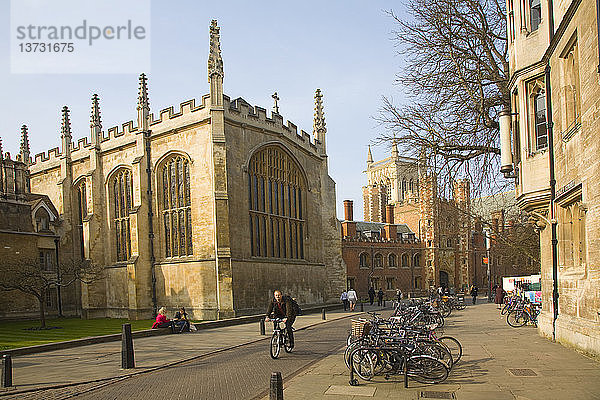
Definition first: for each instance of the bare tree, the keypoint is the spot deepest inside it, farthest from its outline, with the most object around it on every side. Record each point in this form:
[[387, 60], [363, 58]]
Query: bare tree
[[27, 276], [455, 72]]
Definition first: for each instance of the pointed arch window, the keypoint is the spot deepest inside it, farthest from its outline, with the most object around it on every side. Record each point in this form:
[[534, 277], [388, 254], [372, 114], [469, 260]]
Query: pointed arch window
[[404, 260], [122, 198], [276, 199], [176, 212], [80, 190], [392, 260]]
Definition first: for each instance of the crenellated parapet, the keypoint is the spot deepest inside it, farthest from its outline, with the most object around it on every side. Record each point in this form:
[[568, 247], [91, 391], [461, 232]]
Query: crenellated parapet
[[240, 111]]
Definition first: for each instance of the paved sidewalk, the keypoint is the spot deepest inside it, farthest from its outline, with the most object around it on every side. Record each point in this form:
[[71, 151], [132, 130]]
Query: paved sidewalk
[[491, 348], [103, 361]]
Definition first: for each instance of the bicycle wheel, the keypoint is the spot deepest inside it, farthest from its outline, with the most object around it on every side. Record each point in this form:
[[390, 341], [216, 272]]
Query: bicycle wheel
[[275, 348], [454, 346], [436, 350], [349, 351], [426, 369], [445, 310], [517, 319], [362, 362]]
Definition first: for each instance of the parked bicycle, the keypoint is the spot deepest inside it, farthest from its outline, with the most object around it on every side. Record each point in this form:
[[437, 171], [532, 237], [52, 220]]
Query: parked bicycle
[[520, 316]]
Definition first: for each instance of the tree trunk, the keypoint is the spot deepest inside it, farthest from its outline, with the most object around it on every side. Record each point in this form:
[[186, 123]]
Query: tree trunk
[[42, 300]]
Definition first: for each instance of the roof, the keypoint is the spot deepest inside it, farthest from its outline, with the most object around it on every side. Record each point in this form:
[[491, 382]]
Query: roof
[[363, 226]]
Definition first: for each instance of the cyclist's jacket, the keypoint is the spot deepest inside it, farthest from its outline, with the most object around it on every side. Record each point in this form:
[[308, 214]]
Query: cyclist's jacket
[[284, 309]]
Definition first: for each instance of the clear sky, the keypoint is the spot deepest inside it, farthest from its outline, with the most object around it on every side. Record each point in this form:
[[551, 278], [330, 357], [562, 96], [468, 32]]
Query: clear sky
[[342, 47]]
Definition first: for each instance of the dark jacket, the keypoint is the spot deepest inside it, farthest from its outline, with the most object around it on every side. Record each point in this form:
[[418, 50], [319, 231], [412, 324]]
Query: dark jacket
[[284, 310]]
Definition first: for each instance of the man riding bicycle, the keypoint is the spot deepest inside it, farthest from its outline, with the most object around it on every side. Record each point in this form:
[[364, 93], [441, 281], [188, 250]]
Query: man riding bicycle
[[281, 307]]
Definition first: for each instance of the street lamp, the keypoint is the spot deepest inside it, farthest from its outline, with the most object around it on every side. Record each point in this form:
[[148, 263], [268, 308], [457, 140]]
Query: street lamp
[[506, 158]]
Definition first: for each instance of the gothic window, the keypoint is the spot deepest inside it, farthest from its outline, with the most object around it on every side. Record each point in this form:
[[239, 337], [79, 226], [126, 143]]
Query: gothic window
[[378, 261], [416, 260], [81, 214], [537, 114], [571, 91], [390, 283], [122, 195], [572, 251], [374, 282], [276, 198], [417, 282], [535, 14], [363, 260], [404, 260], [176, 207], [392, 260], [350, 282], [449, 242], [47, 260], [42, 220]]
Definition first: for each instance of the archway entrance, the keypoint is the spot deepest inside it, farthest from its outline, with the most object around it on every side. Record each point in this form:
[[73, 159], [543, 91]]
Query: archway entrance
[[444, 279]]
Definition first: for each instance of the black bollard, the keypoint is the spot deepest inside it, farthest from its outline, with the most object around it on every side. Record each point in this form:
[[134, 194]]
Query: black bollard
[[7, 371], [127, 355], [276, 392], [362, 307], [384, 304], [323, 313], [261, 323]]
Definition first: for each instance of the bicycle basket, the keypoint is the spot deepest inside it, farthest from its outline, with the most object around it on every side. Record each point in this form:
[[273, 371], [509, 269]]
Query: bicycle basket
[[360, 328]]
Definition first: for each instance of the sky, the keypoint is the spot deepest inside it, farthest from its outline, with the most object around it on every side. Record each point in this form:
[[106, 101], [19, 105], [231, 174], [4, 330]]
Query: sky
[[292, 48]]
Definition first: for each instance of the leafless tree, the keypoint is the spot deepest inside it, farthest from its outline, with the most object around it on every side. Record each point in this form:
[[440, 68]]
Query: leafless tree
[[455, 73], [27, 276]]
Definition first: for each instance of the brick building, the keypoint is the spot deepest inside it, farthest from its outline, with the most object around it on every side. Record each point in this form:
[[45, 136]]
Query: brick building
[[552, 152], [211, 206], [443, 225], [381, 255]]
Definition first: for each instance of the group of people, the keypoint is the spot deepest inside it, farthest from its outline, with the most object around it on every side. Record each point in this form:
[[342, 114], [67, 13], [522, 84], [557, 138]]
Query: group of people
[[349, 298], [179, 324]]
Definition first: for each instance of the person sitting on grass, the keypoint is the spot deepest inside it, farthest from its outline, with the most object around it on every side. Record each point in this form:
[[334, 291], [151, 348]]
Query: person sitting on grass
[[162, 321], [181, 320]]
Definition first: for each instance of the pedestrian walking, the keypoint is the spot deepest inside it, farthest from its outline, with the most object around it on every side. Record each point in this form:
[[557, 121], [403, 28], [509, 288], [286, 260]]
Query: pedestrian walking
[[499, 299], [398, 295], [380, 297], [371, 295], [474, 293], [352, 297], [344, 299]]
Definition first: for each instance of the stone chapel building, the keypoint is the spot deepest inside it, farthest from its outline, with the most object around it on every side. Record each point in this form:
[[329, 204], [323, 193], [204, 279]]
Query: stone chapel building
[[211, 206]]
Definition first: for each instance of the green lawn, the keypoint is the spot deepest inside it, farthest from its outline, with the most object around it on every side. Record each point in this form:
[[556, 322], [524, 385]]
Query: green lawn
[[15, 334]]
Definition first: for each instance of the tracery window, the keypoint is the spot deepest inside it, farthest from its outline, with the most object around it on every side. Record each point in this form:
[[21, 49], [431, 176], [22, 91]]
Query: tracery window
[[176, 207], [121, 188], [81, 213], [276, 198]]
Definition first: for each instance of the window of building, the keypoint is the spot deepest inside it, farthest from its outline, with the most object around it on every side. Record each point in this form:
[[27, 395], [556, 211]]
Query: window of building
[[276, 194], [46, 257], [572, 248], [511, 21], [374, 282], [121, 188], [418, 282], [176, 207], [350, 283], [404, 260], [392, 260], [416, 260], [50, 298], [449, 242], [363, 260], [42, 220], [81, 213], [537, 114], [378, 261], [390, 283], [535, 14], [571, 90]]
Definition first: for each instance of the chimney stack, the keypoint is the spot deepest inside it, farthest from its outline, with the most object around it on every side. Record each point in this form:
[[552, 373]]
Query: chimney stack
[[348, 210], [348, 226], [390, 231]]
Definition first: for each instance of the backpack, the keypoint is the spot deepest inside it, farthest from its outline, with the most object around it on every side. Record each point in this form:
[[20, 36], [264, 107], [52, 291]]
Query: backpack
[[295, 305]]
